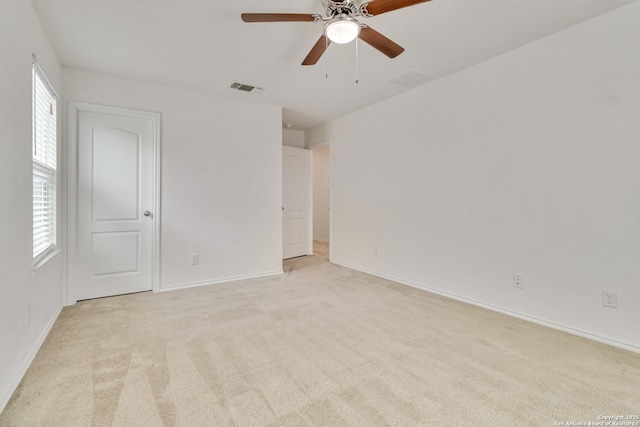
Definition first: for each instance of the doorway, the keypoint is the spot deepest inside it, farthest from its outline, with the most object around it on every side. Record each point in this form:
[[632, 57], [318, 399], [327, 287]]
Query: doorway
[[322, 198]]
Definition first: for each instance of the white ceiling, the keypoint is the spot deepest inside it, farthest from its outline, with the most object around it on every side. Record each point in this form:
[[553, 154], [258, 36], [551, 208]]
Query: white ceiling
[[203, 45]]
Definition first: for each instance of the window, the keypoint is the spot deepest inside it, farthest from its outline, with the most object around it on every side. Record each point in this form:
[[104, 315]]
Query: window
[[45, 157]]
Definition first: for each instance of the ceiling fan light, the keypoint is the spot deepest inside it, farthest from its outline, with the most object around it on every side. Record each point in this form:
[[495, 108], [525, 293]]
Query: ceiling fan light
[[343, 31]]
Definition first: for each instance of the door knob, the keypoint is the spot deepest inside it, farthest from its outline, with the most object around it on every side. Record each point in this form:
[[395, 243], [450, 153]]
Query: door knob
[[147, 213]]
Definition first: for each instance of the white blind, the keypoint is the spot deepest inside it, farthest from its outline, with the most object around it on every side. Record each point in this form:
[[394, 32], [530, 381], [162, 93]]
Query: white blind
[[44, 164]]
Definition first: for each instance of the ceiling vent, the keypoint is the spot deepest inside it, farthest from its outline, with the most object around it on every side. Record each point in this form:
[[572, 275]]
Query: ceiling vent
[[246, 88], [410, 79]]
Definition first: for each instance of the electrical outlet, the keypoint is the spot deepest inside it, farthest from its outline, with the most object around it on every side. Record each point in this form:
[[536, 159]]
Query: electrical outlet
[[195, 259], [609, 298], [518, 281]]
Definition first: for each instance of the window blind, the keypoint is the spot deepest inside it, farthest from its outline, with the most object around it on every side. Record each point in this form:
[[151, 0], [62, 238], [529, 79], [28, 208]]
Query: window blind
[[44, 164]]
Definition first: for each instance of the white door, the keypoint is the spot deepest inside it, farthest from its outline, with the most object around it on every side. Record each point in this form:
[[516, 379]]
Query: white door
[[115, 224], [296, 196]]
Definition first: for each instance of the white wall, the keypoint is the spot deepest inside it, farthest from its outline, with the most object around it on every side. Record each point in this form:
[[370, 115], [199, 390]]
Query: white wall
[[221, 179], [321, 193], [21, 334], [293, 138], [526, 163]]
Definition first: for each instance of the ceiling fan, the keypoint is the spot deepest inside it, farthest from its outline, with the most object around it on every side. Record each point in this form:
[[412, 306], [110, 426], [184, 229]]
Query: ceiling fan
[[341, 25]]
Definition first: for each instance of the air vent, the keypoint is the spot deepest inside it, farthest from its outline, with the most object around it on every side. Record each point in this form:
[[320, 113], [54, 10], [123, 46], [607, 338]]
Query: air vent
[[245, 88], [410, 79]]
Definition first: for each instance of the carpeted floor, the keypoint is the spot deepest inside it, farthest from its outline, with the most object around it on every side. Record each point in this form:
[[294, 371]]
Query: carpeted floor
[[321, 345]]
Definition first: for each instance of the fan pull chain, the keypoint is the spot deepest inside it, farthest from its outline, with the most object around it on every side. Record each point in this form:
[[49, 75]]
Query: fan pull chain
[[357, 60], [326, 58]]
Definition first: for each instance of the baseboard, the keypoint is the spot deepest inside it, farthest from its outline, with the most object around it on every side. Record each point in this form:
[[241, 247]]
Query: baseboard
[[321, 240], [536, 320], [220, 281], [15, 382]]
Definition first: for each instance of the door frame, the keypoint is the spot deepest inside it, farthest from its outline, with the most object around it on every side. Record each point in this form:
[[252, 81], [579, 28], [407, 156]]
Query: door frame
[[74, 109]]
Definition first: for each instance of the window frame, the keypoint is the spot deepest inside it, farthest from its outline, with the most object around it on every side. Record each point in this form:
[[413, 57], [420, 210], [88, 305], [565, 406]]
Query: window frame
[[44, 168]]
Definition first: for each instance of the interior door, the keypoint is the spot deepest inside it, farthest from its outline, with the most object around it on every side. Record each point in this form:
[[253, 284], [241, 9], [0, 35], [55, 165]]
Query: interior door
[[115, 199], [296, 195]]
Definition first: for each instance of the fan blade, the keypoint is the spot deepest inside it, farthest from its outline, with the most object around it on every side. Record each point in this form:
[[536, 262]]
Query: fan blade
[[317, 51], [278, 17], [380, 42], [377, 7]]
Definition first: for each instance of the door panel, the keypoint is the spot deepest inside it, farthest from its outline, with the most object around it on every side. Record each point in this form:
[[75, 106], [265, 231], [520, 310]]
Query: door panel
[[115, 186], [115, 191], [294, 231], [296, 196], [115, 253]]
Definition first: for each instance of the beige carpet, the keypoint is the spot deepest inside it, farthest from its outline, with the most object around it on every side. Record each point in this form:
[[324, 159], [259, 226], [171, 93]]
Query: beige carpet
[[320, 345]]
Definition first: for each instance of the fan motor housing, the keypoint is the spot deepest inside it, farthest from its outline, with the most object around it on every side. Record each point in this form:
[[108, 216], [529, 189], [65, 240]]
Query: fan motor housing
[[344, 7]]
